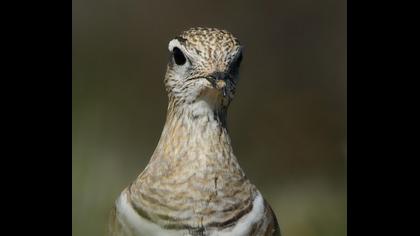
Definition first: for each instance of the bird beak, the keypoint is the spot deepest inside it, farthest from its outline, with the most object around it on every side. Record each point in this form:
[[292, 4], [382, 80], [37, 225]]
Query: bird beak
[[212, 80], [218, 80]]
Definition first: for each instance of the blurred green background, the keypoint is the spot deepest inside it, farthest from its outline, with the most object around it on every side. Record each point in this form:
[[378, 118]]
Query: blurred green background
[[287, 122]]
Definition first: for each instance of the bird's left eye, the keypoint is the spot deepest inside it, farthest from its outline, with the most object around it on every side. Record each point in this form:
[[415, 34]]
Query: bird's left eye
[[179, 57], [239, 59], [237, 62]]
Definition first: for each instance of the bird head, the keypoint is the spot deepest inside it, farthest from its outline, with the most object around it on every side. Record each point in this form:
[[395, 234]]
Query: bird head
[[203, 66]]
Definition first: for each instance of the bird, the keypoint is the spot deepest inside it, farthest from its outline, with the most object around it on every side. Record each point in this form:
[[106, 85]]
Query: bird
[[193, 184]]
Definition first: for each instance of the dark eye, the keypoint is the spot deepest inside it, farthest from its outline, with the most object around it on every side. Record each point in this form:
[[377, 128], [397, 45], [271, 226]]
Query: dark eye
[[237, 62], [179, 57]]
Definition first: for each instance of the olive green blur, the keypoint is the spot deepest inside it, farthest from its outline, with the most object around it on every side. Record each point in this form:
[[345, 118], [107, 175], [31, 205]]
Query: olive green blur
[[287, 121]]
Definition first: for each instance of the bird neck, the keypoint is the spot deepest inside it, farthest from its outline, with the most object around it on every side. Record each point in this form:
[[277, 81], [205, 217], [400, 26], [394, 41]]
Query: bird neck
[[192, 166], [196, 127]]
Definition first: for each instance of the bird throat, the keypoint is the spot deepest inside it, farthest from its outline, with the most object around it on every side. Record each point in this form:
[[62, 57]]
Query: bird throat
[[195, 136], [193, 177]]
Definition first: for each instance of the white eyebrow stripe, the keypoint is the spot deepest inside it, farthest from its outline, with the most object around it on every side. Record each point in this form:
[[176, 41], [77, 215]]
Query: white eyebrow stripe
[[174, 43]]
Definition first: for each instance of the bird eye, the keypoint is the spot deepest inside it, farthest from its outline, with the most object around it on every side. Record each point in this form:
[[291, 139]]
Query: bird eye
[[179, 57], [239, 60]]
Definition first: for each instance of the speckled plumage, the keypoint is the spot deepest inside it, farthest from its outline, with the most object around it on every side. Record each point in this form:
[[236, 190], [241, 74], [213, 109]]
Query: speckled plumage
[[193, 184]]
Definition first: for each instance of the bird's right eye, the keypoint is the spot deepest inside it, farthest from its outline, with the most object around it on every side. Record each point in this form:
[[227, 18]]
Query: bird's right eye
[[179, 57]]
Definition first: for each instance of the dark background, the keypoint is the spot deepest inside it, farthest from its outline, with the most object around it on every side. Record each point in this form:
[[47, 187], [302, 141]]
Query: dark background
[[287, 122]]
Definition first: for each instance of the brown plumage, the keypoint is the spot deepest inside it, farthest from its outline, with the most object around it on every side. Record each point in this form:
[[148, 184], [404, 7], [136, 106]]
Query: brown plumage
[[193, 184]]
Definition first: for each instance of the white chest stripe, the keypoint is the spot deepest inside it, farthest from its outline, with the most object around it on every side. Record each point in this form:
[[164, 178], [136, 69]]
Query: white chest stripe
[[142, 226], [244, 225]]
